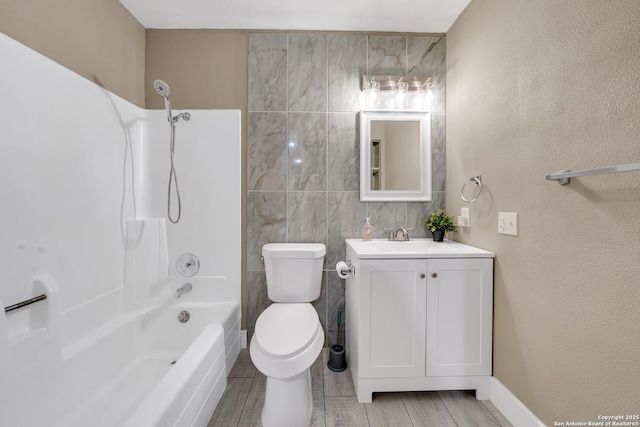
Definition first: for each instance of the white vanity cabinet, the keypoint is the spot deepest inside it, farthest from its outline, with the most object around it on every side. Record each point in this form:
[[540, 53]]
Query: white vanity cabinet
[[393, 318], [419, 317], [459, 316]]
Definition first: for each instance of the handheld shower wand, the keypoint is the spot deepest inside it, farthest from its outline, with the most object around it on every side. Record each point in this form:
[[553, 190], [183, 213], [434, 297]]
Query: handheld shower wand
[[163, 90]]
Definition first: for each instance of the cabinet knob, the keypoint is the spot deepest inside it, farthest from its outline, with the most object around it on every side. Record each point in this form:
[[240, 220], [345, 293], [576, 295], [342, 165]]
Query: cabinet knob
[[422, 276], [434, 275]]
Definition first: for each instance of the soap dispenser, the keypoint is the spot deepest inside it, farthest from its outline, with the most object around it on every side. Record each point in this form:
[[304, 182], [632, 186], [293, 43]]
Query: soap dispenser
[[367, 230]]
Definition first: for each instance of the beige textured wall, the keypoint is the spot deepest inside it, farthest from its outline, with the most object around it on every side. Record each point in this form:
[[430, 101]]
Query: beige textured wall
[[205, 69], [97, 39], [534, 88]]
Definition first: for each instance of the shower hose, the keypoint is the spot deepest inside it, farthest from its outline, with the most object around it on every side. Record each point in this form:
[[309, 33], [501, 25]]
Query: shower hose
[[173, 178]]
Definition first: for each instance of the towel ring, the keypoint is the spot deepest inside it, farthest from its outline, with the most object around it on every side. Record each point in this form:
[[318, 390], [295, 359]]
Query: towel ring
[[478, 181]]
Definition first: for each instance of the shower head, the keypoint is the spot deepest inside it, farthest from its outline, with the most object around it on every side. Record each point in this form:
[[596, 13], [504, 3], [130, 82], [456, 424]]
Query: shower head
[[162, 88]]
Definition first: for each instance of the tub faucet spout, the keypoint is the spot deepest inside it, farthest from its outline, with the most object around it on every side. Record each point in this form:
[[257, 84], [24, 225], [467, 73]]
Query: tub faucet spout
[[184, 289]]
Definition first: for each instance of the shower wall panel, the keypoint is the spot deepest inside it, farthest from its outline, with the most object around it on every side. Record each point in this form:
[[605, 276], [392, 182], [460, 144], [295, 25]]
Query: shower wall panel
[[84, 190], [67, 179]]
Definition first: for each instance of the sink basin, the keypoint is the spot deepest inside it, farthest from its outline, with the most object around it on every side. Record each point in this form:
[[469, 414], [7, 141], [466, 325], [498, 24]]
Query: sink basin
[[393, 246], [422, 246], [417, 248]]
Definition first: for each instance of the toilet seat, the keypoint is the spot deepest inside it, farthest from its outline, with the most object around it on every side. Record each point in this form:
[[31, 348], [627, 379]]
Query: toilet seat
[[284, 330], [287, 339]]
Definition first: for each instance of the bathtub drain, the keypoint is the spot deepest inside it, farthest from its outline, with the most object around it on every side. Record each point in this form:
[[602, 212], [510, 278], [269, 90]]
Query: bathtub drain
[[173, 362], [183, 316]]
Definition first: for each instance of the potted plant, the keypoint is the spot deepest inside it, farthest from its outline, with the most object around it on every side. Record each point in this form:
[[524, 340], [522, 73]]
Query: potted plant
[[438, 223]]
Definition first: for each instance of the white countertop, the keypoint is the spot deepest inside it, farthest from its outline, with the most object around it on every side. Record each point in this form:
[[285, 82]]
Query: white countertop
[[415, 248]]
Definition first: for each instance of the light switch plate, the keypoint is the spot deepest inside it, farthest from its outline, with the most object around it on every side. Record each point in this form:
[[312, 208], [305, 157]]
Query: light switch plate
[[508, 223]]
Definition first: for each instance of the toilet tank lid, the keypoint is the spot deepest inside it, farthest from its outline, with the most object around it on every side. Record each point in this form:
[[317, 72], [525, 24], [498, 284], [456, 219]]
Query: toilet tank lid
[[293, 250]]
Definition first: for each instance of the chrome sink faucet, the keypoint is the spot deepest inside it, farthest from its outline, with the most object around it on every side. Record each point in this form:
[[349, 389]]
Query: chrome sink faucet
[[401, 235], [184, 289]]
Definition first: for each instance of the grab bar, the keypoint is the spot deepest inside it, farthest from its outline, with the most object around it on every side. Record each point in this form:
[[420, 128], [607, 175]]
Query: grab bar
[[563, 177], [25, 303]]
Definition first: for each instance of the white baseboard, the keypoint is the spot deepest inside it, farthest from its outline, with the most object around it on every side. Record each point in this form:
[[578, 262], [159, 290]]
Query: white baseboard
[[513, 410], [243, 338]]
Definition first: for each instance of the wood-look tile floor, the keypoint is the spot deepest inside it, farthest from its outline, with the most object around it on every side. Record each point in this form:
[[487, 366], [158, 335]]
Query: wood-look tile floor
[[335, 403]]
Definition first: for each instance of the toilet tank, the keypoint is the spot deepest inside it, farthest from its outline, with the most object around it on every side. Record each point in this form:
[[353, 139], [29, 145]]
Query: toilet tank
[[294, 271]]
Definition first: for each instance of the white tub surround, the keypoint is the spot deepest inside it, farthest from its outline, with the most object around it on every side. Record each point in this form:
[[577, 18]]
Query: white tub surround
[[142, 366], [83, 222], [419, 316]]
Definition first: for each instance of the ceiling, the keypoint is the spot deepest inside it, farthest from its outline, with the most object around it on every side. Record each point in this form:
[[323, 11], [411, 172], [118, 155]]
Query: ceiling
[[406, 16]]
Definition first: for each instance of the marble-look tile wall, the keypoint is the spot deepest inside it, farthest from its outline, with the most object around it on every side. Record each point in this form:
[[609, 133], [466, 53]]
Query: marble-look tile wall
[[303, 148]]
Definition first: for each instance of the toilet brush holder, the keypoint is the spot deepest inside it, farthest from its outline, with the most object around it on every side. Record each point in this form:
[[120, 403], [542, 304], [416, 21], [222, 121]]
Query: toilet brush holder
[[337, 360]]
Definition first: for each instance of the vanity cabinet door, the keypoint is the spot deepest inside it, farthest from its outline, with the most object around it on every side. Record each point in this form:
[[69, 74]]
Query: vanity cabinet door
[[392, 318], [459, 316]]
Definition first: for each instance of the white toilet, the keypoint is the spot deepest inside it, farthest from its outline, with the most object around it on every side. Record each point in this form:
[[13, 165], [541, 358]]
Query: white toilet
[[288, 336]]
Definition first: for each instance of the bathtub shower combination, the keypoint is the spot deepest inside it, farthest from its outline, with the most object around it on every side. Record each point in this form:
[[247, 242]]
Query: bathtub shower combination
[[118, 328], [145, 368]]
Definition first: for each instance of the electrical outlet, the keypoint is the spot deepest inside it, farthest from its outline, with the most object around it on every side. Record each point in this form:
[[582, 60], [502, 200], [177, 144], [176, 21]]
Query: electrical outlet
[[463, 219], [508, 223]]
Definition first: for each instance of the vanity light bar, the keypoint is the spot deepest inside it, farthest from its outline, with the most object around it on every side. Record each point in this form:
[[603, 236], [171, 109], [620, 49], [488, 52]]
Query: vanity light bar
[[416, 83]]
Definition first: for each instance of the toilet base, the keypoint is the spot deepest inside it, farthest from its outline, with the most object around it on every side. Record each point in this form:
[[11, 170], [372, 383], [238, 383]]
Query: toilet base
[[288, 402]]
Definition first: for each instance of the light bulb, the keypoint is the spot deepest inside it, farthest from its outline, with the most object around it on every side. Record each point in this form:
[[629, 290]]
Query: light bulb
[[401, 95], [372, 94], [429, 96]]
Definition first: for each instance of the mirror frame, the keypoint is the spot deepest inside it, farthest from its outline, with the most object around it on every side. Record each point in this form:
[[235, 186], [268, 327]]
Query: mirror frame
[[424, 193]]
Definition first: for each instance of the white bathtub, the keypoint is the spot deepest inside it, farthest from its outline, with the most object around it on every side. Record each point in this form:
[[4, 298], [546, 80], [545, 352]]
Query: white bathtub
[[141, 369]]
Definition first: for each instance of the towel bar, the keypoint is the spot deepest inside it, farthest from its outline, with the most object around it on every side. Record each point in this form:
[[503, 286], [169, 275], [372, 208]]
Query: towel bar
[[564, 177]]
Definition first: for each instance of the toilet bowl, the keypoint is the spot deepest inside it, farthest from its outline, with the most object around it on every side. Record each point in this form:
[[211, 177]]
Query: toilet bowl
[[288, 336], [287, 340]]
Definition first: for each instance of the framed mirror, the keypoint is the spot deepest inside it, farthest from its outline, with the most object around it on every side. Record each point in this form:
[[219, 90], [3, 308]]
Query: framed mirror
[[395, 156]]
